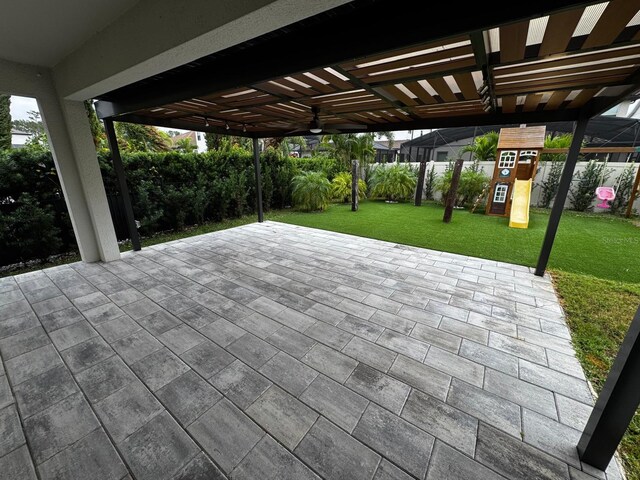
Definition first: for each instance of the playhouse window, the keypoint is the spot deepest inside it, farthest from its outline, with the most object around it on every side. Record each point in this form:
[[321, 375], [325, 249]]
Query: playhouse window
[[526, 156], [507, 159], [500, 194]]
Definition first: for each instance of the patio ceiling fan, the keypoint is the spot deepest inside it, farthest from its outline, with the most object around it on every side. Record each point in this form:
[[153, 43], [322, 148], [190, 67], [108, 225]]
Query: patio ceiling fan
[[316, 126]]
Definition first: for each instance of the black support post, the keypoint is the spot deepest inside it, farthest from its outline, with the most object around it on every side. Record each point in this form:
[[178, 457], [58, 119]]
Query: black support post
[[355, 175], [122, 182], [256, 164], [616, 404], [561, 196]]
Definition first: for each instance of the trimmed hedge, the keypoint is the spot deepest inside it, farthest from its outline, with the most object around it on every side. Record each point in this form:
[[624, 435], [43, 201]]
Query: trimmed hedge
[[169, 190]]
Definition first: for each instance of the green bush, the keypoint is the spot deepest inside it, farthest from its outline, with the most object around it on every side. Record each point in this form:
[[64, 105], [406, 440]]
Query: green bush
[[341, 187], [470, 187], [318, 163], [430, 182], [623, 190], [396, 182], [583, 193], [311, 191]]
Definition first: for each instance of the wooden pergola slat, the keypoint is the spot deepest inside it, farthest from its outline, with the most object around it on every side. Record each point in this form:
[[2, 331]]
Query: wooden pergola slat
[[513, 41], [560, 28], [611, 23], [467, 85], [556, 99], [442, 89], [509, 104]]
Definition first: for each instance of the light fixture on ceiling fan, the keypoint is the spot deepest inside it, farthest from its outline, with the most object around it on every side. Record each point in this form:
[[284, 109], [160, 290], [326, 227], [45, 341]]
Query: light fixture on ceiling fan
[[315, 126]]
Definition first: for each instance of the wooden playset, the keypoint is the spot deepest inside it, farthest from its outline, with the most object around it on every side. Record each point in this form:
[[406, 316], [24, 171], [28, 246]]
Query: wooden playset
[[517, 157]]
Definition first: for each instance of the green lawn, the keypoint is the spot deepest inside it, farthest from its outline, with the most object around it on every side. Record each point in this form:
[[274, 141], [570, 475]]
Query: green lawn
[[597, 245]]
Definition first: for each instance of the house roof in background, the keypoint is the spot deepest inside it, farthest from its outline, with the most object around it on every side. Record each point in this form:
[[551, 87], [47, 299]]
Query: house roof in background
[[601, 130], [188, 135], [555, 60]]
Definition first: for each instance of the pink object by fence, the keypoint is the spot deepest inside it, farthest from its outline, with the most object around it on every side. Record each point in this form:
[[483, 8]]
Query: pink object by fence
[[605, 194]]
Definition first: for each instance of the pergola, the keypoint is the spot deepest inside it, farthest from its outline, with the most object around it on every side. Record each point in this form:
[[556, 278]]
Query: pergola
[[342, 71]]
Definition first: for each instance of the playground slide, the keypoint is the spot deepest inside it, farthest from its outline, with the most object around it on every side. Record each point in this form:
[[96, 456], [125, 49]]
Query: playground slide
[[520, 205]]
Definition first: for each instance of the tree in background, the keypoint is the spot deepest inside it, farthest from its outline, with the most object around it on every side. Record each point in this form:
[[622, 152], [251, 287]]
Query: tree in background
[[483, 148], [390, 136], [349, 146], [285, 145], [556, 164], [5, 122], [97, 130], [33, 126], [623, 190], [184, 145], [141, 138], [583, 192]]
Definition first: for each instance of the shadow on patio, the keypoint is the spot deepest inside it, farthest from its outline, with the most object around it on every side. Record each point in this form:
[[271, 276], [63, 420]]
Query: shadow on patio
[[275, 351]]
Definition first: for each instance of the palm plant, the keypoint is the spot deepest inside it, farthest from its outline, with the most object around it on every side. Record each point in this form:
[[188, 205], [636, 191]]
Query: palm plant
[[484, 147], [311, 191], [350, 146], [396, 182], [341, 187]]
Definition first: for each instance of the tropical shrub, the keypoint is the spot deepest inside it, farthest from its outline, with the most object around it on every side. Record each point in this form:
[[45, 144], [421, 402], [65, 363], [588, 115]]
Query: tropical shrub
[[430, 183], [311, 191], [623, 190], [470, 187], [551, 183], [484, 147], [583, 192], [318, 163], [341, 187], [396, 182]]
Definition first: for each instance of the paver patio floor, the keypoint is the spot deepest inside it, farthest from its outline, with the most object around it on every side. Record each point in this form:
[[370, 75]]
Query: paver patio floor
[[275, 351]]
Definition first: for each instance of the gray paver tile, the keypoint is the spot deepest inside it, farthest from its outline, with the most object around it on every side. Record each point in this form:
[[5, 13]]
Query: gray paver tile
[[367, 330], [291, 374], [41, 308], [92, 300], [573, 413], [141, 308], [270, 461], [357, 309], [551, 437], [159, 368], [61, 318], [103, 379], [336, 402], [568, 364], [200, 468], [87, 354], [125, 297], [436, 337], [59, 426], [486, 406], [419, 315], [181, 339], [408, 346], [329, 335], [282, 415], [6, 397], [334, 454], [455, 366], [72, 335], [240, 384], [421, 376], [330, 362], [35, 296], [443, 421], [524, 394], [393, 322], [396, 439], [11, 435], [252, 350], [222, 332], [105, 312], [187, 397], [159, 322], [378, 387], [226, 434], [518, 347], [17, 324], [446, 462], [382, 303], [113, 330], [493, 324], [23, 342], [136, 346], [17, 465], [93, 457], [292, 342], [558, 382], [295, 319], [44, 390], [512, 458], [388, 471], [30, 364], [159, 449], [259, 325], [326, 314], [126, 410], [465, 330], [370, 353], [489, 357]]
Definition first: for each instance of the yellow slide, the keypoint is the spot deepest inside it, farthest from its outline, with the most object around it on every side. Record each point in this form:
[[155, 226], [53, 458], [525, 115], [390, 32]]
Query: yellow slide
[[520, 205]]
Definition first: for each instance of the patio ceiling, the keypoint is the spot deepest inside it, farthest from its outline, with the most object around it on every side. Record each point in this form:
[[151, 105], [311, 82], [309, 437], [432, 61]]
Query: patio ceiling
[[562, 64]]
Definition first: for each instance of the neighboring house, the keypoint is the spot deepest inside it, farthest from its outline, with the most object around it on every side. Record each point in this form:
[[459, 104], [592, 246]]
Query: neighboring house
[[386, 153], [444, 144], [195, 138], [19, 139]]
